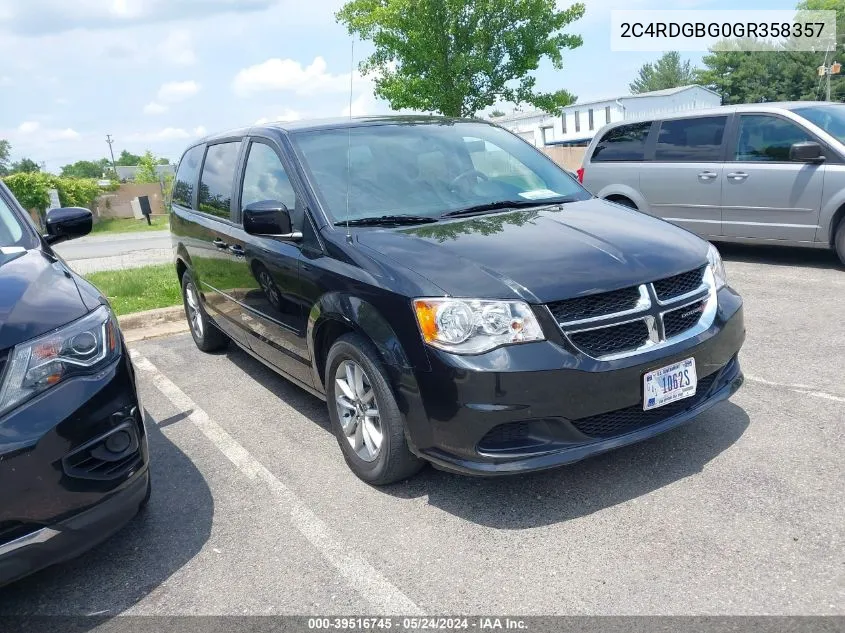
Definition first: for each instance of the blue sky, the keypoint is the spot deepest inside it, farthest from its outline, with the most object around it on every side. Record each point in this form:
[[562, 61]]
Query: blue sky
[[156, 73]]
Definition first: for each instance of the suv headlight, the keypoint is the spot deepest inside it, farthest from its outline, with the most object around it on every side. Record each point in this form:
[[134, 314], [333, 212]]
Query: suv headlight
[[82, 347], [473, 326], [718, 267]]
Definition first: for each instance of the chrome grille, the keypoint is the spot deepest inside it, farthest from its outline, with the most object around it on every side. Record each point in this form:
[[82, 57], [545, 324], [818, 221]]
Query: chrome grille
[[612, 339], [679, 285], [631, 320], [595, 305]]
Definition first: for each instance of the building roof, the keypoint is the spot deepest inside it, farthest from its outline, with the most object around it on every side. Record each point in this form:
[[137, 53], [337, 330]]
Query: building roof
[[575, 106]]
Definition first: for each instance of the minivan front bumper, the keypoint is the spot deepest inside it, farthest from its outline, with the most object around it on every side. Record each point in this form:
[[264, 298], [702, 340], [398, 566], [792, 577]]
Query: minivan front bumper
[[540, 405]]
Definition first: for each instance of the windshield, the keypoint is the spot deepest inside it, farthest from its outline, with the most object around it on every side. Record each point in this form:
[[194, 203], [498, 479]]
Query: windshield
[[12, 233], [829, 118], [428, 169]]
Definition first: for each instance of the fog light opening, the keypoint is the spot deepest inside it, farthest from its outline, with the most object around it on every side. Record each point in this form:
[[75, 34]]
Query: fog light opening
[[118, 442]]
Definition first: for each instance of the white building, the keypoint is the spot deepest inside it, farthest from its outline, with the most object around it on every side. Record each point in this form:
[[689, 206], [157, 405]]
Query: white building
[[579, 122]]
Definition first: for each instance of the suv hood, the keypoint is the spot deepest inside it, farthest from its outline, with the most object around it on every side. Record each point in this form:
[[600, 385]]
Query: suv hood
[[542, 254], [36, 296]]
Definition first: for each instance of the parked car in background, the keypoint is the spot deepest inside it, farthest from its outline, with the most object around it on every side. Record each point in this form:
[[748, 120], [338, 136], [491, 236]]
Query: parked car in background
[[73, 451], [770, 173], [451, 292]]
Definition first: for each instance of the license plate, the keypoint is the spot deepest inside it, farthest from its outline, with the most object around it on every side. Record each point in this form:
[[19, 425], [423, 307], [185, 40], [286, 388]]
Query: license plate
[[669, 384]]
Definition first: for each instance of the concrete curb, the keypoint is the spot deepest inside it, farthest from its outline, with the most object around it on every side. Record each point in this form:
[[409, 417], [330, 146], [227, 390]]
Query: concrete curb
[[140, 326]]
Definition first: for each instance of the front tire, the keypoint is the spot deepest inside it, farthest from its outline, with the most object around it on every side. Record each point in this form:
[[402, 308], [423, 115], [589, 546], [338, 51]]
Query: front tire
[[839, 241], [364, 414], [206, 335]]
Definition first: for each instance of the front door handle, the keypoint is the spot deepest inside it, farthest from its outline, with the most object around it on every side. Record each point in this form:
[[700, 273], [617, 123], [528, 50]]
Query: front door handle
[[737, 175], [706, 175], [236, 249], [220, 243]]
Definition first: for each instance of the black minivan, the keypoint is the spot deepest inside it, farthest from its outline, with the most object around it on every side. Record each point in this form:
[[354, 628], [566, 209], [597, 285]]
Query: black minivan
[[453, 294], [74, 464]]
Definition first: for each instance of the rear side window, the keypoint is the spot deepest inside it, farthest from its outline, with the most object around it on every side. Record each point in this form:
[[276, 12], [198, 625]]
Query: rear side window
[[626, 142], [218, 173], [690, 140], [764, 138], [183, 187]]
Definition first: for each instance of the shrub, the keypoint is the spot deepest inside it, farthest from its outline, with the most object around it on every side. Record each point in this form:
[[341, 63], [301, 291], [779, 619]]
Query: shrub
[[32, 190]]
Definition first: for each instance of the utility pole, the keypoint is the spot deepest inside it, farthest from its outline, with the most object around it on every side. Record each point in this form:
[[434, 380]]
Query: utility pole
[[111, 151], [826, 71]]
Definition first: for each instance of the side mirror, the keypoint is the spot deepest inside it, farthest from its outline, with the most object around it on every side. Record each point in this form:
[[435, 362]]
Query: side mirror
[[270, 218], [806, 152], [67, 224]]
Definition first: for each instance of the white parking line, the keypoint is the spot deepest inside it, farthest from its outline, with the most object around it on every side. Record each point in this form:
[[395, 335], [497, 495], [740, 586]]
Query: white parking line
[[803, 389], [363, 577]]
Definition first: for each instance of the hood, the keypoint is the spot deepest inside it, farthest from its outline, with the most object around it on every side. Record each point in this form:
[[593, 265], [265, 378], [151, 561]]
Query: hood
[[544, 254], [36, 296]]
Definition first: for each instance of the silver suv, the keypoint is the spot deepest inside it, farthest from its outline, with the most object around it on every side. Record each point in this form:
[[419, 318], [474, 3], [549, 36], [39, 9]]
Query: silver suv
[[763, 173]]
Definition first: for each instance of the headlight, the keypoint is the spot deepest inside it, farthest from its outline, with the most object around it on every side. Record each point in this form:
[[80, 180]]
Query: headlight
[[718, 267], [81, 347], [473, 326]]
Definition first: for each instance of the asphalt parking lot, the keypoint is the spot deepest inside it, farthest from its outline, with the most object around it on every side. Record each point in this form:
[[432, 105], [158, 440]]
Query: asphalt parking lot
[[255, 512]]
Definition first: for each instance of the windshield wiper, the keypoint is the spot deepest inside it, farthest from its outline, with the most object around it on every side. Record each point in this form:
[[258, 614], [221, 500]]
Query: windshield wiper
[[500, 205], [387, 219]]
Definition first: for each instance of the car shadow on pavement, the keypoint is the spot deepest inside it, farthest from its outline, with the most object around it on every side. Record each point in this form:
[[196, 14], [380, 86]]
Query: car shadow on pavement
[[543, 498], [307, 405], [795, 257], [130, 565]]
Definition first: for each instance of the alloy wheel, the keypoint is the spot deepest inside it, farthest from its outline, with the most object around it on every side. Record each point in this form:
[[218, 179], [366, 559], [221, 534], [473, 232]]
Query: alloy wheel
[[194, 314], [357, 410]]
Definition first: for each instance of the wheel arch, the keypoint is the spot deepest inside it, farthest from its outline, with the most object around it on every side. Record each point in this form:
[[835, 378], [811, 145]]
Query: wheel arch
[[337, 314]]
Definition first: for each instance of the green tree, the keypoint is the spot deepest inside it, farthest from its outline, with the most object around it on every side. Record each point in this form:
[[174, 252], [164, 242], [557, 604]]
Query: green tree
[[24, 166], [83, 169], [667, 72], [146, 168], [5, 149], [458, 57], [163, 161], [128, 160]]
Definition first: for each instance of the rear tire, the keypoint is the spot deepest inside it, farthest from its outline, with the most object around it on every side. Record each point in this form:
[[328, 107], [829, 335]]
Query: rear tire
[[370, 430], [206, 335], [839, 241]]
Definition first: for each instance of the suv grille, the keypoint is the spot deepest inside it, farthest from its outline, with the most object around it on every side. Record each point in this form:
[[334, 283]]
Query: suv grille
[[623, 421], [612, 339], [595, 305], [682, 319], [623, 322], [678, 285]]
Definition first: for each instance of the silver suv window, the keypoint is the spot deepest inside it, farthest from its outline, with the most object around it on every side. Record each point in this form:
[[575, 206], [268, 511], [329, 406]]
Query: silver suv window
[[11, 231], [764, 138], [690, 140], [623, 143]]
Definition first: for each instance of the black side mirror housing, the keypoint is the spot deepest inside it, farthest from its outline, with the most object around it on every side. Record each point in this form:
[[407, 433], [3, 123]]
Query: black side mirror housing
[[806, 152], [270, 218], [68, 223]]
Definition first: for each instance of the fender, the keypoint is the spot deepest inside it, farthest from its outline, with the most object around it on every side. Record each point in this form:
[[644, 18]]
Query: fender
[[362, 316], [829, 218], [629, 192]]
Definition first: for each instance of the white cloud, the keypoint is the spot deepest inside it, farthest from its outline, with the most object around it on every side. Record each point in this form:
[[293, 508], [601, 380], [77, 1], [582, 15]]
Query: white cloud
[[288, 74], [361, 106], [154, 108], [175, 91], [28, 127], [166, 134], [56, 16], [178, 48], [287, 115], [68, 134]]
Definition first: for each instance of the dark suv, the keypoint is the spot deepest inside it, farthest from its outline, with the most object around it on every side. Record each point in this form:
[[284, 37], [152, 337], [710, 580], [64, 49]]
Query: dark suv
[[453, 294]]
